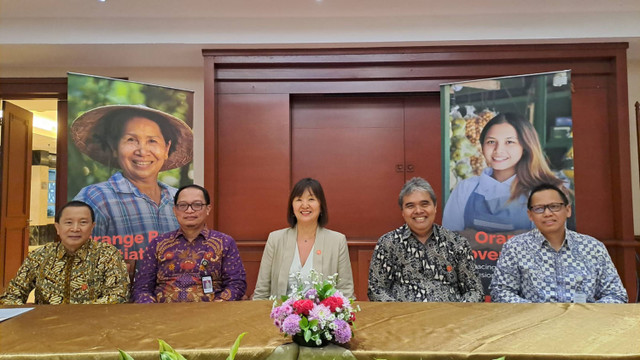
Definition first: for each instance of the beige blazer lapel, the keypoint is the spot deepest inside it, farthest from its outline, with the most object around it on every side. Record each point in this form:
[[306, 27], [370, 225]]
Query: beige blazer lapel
[[319, 250], [289, 248]]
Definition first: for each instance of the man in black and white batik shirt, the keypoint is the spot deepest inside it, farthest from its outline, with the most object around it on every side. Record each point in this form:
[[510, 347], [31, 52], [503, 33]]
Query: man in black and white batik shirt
[[422, 261]]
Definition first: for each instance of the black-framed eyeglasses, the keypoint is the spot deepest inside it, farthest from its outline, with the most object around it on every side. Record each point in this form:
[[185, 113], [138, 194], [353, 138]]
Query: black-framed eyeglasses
[[196, 206], [554, 207]]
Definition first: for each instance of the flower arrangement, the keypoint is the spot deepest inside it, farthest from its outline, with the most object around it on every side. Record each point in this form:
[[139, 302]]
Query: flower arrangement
[[315, 312]]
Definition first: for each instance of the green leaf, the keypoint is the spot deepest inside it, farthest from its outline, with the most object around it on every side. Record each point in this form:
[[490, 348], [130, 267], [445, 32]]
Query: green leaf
[[165, 347], [304, 323], [167, 352], [307, 335], [125, 356], [234, 349], [164, 355], [313, 323]]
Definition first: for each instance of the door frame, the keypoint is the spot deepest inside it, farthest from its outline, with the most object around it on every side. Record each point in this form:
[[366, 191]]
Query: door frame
[[44, 88]]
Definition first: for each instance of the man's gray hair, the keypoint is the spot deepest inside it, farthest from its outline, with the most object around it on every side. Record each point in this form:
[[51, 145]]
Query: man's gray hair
[[417, 184]]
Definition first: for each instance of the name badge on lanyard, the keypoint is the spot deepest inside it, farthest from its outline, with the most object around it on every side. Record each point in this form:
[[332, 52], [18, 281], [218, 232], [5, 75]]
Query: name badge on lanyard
[[207, 284], [207, 280]]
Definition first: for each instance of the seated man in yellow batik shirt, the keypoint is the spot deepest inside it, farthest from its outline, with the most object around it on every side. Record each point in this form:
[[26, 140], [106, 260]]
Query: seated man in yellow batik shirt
[[76, 270]]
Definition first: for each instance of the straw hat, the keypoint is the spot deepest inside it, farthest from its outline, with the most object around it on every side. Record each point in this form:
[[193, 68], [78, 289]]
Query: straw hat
[[83, 134]]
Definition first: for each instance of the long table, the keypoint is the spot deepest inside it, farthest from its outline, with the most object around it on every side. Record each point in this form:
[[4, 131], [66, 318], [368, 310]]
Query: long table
[[383, 330]]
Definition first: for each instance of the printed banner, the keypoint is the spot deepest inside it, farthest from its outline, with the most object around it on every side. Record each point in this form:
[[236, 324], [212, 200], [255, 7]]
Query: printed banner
[[130, 146], [501, 138]]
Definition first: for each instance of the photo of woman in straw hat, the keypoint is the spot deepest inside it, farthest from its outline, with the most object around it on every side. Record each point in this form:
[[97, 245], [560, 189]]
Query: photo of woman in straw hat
[[132, 206]]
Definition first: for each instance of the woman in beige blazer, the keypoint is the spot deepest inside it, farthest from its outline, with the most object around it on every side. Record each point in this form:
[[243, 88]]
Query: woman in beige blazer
[[326, 249]]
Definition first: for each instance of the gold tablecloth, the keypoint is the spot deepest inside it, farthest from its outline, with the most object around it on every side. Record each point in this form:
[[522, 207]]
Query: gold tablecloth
[[383, 330]]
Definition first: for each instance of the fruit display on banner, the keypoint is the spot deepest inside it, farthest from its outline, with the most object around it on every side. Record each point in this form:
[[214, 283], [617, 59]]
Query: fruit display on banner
[[466, 151]]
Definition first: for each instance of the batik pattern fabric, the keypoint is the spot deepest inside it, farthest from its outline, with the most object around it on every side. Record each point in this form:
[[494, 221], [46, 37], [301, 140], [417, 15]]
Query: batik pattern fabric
[[530, 270], [441, 270], [95, 274], [174, 269]]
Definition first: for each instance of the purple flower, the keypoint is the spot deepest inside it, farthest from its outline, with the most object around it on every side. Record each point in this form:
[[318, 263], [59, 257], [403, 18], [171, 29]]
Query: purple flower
[[291, 324], [311, 294], [342, 331]]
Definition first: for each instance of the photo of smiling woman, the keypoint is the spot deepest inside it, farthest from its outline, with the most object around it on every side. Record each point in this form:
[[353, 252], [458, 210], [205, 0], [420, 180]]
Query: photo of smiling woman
[[132, 206], [496, 200]]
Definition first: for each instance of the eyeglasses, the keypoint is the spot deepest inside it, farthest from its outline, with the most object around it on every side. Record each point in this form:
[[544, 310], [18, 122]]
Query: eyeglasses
[[197, 206], [554, 207]]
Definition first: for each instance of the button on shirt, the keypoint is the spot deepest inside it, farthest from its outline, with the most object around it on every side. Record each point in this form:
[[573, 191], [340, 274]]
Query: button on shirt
[[174, 267], [404, 269], [530, 270]]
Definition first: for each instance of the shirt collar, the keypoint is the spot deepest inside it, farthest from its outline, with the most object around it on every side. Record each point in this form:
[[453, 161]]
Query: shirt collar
[[204, 233], [81, 253], [541, 240], [406, 233], [122, 185]]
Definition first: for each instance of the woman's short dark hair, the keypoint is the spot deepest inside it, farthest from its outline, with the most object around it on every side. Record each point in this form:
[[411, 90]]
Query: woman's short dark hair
[[542, 187], [110, 128], [207, 200], [75, 203], [316, 189]]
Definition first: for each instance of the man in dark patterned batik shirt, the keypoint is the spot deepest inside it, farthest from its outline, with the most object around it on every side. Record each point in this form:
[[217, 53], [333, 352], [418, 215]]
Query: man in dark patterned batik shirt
[[422, 261], [76, 270]]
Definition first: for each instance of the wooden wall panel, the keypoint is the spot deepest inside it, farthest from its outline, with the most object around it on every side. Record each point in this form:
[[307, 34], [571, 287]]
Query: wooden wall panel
[[251, 254], [422, 144], [363, 257], [332, 71], [253, 164], [592, 160]]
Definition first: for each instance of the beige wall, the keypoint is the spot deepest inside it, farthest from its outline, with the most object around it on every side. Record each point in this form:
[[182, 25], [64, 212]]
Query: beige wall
[[39, 192]]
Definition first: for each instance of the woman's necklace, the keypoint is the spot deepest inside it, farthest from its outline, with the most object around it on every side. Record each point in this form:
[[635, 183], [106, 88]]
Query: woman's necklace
[[307, 239]]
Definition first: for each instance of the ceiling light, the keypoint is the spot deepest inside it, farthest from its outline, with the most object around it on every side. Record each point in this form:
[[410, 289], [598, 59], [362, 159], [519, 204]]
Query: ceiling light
[[44, 123]]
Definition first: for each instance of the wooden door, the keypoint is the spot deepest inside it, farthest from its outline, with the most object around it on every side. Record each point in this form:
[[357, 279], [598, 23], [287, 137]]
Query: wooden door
[[16, 181], [354, 147], [362, 150]]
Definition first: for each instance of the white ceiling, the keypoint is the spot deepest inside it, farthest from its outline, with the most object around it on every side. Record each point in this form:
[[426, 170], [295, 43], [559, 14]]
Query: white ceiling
[[161, 33]]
